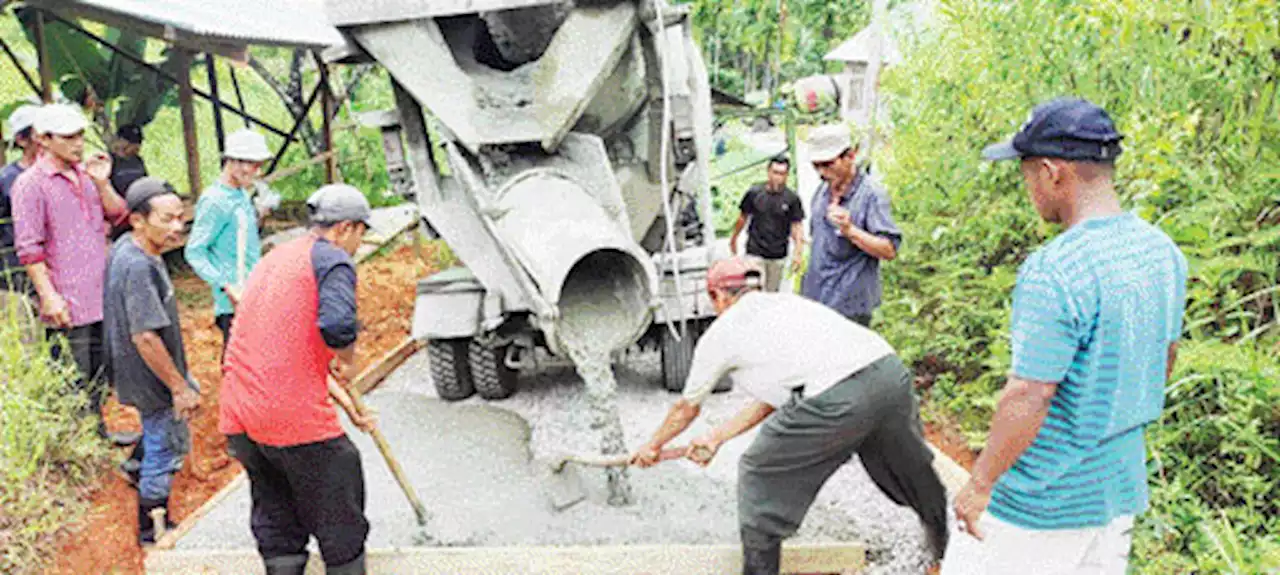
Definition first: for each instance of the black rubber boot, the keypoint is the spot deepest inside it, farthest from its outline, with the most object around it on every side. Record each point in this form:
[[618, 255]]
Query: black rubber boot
[[353, 567], [286, 565], [761, 554], [146, 526]]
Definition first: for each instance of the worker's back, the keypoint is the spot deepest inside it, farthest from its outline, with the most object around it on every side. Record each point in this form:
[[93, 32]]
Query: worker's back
[[275, 373]]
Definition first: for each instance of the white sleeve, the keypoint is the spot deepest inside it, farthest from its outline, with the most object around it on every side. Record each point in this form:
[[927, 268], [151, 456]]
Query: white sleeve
[[713, 358]]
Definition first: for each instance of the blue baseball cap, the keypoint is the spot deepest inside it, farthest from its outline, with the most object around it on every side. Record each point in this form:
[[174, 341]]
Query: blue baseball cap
[[1066, 128]]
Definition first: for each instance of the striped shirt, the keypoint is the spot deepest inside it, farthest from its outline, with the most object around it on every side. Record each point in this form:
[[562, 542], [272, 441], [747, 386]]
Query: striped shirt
[[1095, 311]]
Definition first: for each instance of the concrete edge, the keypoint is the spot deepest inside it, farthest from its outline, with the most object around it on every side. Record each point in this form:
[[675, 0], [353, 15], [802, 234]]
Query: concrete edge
[[601, 560], [953, 476]]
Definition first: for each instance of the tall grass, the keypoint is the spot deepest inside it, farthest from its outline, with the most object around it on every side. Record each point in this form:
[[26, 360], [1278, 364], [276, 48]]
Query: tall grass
[[48, 450]]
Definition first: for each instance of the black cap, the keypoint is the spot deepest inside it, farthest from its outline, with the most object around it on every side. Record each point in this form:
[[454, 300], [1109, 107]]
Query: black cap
[[1067, 128], [143, 189], [131, 133]]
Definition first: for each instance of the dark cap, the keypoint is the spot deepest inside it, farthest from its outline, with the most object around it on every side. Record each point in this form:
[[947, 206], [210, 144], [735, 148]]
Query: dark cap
[[336, 203], [1066, 128], [131, 133], [143, 189]]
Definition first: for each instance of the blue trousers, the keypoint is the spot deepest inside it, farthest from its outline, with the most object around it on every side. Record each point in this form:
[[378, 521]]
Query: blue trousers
[[165, 441]]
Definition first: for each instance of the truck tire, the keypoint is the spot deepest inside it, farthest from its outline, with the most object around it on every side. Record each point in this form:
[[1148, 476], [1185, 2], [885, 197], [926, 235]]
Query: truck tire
[[490, 375], [450, 371], [677, 357]]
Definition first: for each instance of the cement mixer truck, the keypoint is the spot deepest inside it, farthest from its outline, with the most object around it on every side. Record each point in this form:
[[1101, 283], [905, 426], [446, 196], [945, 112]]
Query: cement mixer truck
[[570, 175]]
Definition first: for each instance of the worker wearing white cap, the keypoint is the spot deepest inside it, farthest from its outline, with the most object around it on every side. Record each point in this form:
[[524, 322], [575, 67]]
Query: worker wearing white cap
[[851, 226], [18, 131], [224, 244], [61, 209]]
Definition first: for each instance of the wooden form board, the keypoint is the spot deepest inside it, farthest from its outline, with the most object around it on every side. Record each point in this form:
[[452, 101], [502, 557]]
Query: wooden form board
[[601, 560]]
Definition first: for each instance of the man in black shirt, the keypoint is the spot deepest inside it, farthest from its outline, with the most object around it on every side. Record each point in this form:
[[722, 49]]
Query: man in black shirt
[[775, 213], [126, 165]]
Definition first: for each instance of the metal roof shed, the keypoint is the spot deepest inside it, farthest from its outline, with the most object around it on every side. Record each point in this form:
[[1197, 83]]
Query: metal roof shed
[[223, 26], [226, 27]]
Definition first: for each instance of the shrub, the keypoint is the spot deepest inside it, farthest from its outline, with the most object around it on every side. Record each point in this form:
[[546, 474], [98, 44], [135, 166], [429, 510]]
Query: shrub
[[1193, 86], [48, 450]]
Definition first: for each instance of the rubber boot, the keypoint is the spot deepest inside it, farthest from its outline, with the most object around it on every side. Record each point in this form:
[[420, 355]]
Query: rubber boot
[[146, 526], [353, 567], [286, 565], [761, 554]]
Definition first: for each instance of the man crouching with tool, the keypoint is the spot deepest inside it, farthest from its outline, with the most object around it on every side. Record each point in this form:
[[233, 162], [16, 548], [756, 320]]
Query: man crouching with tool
[[295, 327], [825, 388]]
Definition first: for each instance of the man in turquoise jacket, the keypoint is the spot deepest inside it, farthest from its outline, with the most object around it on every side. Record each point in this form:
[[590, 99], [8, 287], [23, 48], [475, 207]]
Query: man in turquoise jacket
[[224, 244]]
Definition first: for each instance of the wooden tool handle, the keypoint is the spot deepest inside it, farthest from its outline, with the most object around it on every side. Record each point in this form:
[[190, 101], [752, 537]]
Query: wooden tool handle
[[383, 447], [625, 460]]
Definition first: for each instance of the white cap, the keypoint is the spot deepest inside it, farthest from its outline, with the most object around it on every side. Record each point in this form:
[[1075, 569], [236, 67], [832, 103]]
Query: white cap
[[60, 120], [22, 118], [246, 145], [827, 142]]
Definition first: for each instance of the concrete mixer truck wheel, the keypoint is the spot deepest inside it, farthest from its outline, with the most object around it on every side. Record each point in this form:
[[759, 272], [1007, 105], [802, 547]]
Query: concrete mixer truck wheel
[[450, 372], [492, 377], [677, 357]]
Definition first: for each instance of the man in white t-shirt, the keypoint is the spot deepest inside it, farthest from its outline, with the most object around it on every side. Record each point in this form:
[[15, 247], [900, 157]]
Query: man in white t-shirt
[[826, 388]]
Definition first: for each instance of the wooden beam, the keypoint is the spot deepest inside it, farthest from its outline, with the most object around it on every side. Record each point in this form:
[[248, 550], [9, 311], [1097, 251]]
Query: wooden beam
[[298, 120], [235, 83], [379, 370], [18, 64], [211, 65], [327, 106], [42, 56], [549, 560], [185, 102]]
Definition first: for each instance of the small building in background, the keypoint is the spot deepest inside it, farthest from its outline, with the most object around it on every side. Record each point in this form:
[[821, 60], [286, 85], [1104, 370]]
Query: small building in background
[[856, 53]]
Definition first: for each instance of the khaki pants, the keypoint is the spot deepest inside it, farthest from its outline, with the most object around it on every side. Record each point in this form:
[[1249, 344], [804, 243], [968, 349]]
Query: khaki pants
[[772, 271]]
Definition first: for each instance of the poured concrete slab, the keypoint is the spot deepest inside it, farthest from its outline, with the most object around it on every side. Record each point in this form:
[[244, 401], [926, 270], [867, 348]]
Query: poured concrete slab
[[470, 464]]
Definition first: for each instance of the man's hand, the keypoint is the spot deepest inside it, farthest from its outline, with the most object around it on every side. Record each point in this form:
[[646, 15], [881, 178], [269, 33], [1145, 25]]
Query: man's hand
[[185, 403], [98, 166], [797, 264], [54, 310], [646, 456], [838, 216], [970, 504], [365, 420], [233, 293], [703, 449], [343, 372]]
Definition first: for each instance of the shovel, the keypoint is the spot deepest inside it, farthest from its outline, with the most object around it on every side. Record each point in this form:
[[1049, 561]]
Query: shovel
[[378, 439], [564, 485]]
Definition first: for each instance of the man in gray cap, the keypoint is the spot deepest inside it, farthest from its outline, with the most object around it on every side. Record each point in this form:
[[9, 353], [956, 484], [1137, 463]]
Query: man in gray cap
[[146, 359], [224, 245], [1097, 314], [851, 226], [296, 327]]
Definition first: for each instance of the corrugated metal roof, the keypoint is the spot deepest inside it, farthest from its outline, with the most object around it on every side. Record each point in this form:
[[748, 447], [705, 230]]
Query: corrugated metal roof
[[354, 12], [858, 49], [283, 22]]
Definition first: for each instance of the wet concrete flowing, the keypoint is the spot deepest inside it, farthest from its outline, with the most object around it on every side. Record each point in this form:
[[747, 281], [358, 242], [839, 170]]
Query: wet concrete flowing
[[598, 309]]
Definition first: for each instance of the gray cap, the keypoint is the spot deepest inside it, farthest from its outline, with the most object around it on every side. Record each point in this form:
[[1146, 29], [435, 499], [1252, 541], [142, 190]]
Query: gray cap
[[336, 203], [143, 189]]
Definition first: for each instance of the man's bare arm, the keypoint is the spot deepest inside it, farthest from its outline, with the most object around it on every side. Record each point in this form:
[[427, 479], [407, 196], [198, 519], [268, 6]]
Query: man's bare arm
[[678, 419], [1170, 360], [157, 358], [1021, 411], [749, 417], [879, 247], [737, 229]]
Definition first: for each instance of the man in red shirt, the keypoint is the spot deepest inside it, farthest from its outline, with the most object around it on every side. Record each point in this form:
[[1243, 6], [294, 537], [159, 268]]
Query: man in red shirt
[[295, 327]]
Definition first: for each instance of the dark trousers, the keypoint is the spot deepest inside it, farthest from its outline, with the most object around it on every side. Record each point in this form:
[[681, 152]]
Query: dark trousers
[[84, 344], [224, 325], [305, 490], [862, 320], [872, 413]]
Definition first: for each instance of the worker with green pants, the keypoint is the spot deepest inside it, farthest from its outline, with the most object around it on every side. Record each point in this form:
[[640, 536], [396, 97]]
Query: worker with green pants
[[825, 389]]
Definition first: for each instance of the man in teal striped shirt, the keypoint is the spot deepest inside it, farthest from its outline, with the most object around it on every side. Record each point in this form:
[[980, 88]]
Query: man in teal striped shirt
[[1096, 318], [224, 244]]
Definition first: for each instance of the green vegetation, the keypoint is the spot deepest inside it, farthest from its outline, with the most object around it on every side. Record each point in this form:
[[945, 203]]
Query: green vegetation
[[49, 452], [1194, 87]]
